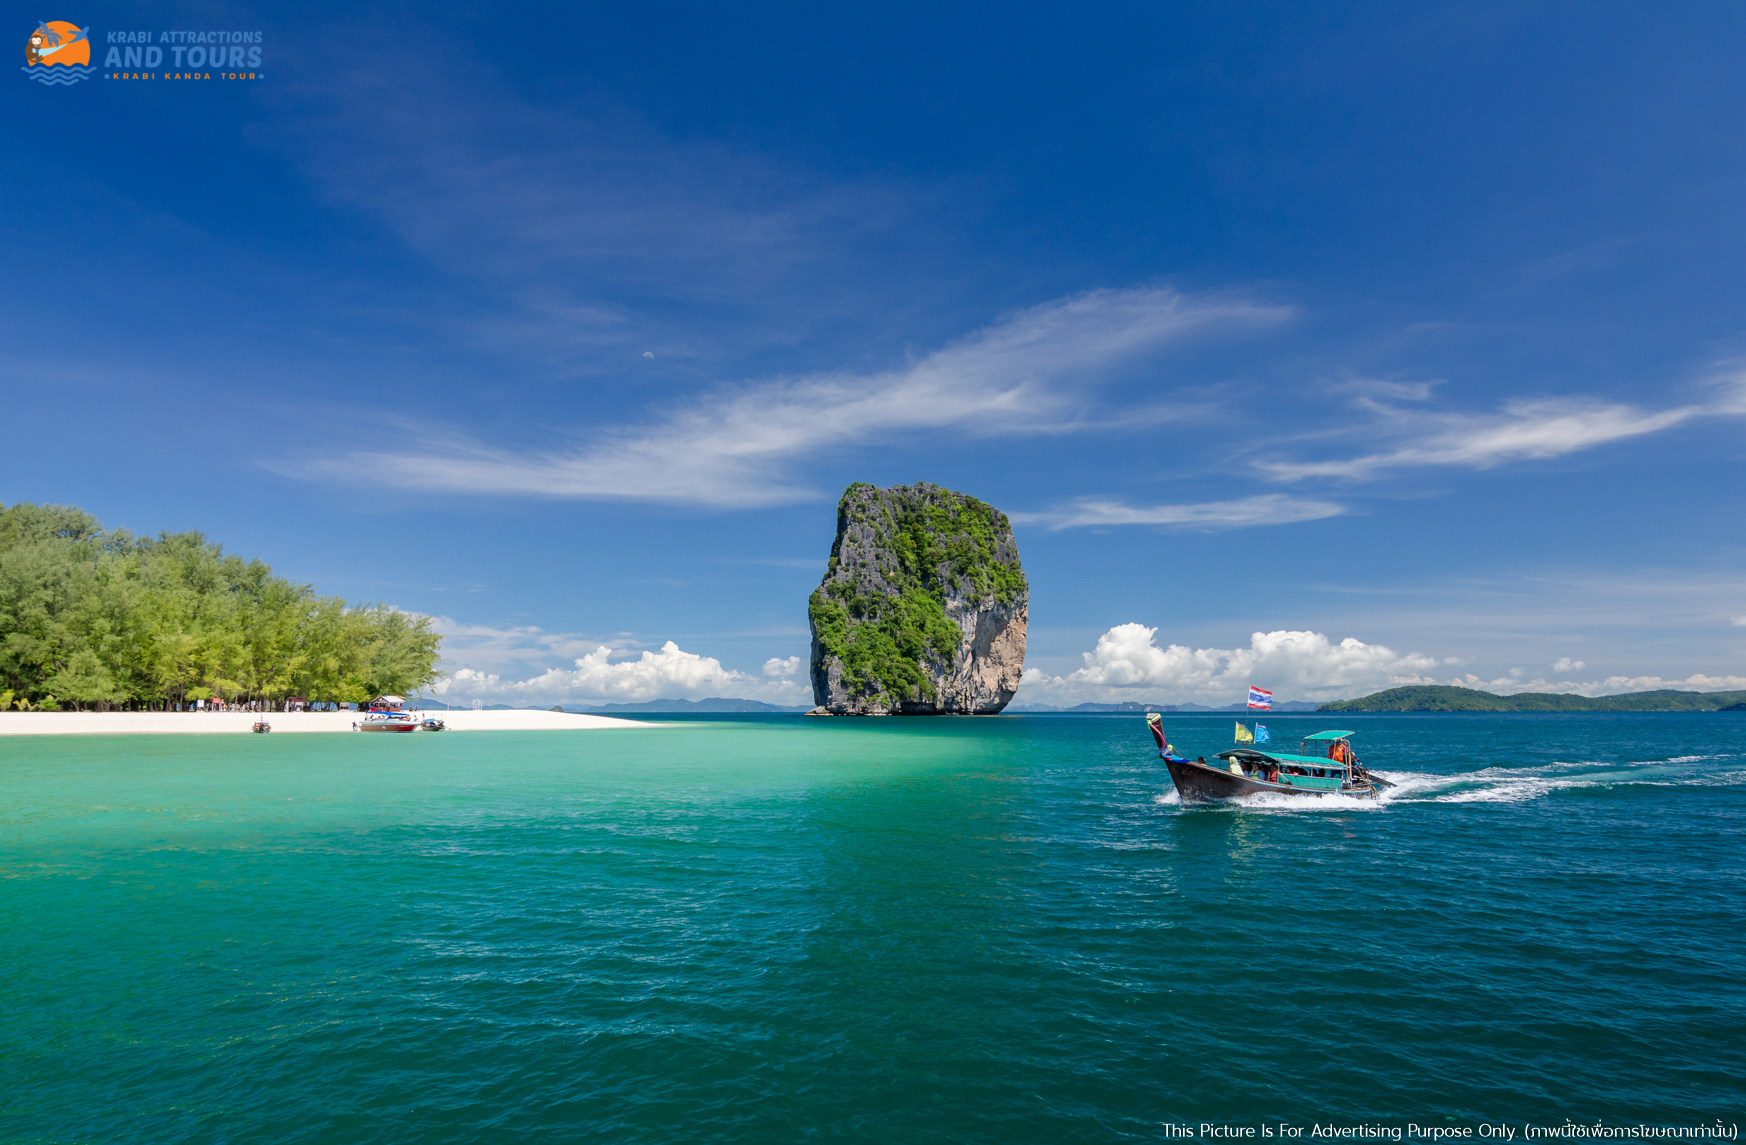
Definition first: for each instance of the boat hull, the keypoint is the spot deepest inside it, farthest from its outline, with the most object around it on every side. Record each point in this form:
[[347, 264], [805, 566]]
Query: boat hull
[[388, 726], [1199, 783]]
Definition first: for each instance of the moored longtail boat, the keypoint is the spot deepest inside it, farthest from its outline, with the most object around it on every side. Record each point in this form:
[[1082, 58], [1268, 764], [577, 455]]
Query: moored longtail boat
[[1250, 771]]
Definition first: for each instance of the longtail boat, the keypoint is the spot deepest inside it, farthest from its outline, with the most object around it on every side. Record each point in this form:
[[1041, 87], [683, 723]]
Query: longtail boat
[[1251, 771]]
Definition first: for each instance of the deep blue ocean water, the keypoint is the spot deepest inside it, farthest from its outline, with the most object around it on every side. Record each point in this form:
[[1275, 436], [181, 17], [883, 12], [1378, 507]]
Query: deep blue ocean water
[[779, 930]]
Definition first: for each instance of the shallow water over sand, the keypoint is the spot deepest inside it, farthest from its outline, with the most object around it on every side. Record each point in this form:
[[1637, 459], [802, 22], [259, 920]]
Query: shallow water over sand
[[776, 929]]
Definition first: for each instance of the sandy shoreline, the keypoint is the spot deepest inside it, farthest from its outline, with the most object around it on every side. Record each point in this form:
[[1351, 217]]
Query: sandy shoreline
[[240, 723]]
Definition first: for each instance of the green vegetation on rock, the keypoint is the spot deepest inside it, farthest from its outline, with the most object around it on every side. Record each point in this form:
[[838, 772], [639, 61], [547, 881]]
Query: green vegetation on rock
[[901, 557], [883, 641], [98, 619], [1446, 698]]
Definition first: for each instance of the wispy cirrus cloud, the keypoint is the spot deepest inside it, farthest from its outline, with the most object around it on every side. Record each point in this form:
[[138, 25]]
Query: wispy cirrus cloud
[[1032, 373], [1522, 430], [572, 222], [1264, 509]]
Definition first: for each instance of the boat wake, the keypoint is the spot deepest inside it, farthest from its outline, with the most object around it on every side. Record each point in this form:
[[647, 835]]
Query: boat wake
[[1501, 784], [1268, 801], [1521, 784]]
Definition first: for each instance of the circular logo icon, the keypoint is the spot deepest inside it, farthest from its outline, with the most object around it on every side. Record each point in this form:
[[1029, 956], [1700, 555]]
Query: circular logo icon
[[58, 52]]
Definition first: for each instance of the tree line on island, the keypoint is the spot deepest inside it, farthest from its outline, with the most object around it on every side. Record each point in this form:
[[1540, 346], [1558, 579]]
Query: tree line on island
[[99, 619]]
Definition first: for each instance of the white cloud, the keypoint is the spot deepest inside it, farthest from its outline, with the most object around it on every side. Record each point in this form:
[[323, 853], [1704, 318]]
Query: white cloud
[[1739, 622], [1611, 686], [489, 648], [670, 673], [1128, 664], [780, 669], [574, 222], [1295, 665], [512, 664], [1025, 375], [1524, 430], [1266, 509], [1372, 392], [1729, 383]]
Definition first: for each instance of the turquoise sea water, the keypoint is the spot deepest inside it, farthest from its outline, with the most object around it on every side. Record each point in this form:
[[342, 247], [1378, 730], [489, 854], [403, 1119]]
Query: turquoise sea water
[[777, 930]]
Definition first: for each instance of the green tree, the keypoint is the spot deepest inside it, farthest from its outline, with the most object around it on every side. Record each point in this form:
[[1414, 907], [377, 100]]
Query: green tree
[[94, 618], [84, 681]]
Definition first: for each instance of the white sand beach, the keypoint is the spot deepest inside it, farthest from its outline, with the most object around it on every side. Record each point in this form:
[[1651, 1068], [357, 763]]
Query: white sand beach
[[240, 723]]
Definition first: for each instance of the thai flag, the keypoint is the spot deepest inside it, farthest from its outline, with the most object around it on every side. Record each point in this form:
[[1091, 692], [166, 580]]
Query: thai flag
[[1260, 697]]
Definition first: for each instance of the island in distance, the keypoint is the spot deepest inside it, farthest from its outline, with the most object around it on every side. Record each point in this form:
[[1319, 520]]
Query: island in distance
[[923, 607], [1448, 698]]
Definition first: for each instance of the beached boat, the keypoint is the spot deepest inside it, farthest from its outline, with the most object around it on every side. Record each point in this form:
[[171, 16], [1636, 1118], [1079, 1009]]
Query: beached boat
[[261, 726], [432, 724], [1248, 771]]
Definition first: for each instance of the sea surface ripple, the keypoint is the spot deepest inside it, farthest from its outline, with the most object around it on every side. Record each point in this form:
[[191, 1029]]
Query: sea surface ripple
[[777, 929]]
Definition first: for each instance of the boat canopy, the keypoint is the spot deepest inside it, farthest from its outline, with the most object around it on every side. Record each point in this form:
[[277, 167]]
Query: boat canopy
[[1281, 757], [1328, 735]]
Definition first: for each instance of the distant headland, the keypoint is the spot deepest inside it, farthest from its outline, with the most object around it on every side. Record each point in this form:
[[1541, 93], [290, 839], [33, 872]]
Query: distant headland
[[1447, 698]]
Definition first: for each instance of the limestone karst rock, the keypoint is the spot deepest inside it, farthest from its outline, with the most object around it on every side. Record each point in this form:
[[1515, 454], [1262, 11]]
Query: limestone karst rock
[[923, 608]]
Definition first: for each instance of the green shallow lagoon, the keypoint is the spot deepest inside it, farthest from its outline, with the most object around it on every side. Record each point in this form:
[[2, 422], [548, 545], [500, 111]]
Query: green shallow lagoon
[[777, 929]]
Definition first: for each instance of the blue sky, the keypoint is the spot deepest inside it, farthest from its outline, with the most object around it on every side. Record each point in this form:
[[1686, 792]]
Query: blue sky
[[1324, 349]]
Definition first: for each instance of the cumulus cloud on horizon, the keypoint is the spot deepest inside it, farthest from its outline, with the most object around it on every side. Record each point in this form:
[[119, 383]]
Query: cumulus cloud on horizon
[[512, 665], [1294, 664], [1128, 664], [668, 674]]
